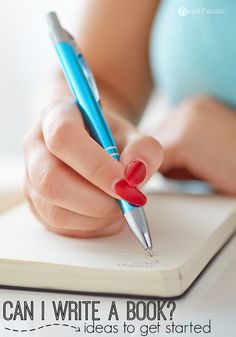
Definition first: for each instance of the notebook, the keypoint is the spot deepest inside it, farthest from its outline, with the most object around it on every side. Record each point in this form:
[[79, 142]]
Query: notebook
[[187, 231]]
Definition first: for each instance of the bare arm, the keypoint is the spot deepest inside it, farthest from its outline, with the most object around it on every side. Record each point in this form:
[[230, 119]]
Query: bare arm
[[115, 40]]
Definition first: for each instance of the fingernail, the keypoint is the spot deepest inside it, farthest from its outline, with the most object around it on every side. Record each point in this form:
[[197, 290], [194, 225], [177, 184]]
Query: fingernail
[[135, 173], [130, 194]]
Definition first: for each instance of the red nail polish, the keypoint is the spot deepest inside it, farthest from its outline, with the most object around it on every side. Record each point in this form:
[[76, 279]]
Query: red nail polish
[[135, 173], [130, 194]]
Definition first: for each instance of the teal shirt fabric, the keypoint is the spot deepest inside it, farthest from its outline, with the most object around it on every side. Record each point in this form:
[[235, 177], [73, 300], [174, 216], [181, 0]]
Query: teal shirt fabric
[[195, 53]]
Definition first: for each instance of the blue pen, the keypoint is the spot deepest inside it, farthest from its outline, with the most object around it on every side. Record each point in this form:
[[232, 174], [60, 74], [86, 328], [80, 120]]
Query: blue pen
[[84, 89]]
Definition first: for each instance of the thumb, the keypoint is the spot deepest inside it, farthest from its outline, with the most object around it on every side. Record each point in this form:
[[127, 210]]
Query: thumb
[[141, 157]]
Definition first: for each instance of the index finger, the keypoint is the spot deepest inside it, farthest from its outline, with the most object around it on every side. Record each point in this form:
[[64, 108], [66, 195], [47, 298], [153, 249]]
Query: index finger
[[66, 137]]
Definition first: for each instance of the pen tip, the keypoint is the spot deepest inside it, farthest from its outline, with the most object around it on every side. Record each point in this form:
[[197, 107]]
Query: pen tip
[[150, 253]]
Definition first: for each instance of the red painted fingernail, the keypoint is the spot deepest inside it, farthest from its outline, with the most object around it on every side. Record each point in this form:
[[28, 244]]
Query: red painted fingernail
[[130, 194], [135, 173]]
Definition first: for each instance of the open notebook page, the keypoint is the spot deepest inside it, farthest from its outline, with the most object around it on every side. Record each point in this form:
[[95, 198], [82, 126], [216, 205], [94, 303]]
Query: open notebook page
[[179, 225]]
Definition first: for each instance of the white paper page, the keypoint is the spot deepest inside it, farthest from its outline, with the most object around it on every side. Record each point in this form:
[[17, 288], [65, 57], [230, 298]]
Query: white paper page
[[180, 225]]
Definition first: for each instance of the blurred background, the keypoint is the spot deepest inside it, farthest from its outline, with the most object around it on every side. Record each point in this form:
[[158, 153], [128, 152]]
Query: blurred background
[[26, 57]]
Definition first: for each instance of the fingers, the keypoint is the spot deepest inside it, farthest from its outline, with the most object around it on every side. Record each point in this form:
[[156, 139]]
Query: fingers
[[180, 174], [65, 137], [141, 157], [172, 158], [63, 187], [64, 222], [30, 203], [70, 178]]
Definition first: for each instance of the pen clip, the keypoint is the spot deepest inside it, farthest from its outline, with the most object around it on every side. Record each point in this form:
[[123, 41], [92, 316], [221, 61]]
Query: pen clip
[[89, 76]]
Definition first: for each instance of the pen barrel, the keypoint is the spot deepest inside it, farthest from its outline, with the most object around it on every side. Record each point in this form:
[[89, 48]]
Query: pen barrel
[[88, 105]]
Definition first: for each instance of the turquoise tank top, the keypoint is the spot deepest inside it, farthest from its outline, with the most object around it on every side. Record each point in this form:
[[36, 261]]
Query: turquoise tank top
[[193, 49]]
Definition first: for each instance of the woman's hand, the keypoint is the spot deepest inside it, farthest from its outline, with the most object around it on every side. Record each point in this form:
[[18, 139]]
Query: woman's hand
[[71, 182], [199, 140], [70, 179]]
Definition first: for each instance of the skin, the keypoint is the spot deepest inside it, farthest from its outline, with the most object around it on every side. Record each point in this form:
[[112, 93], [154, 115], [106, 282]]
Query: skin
[[69, 188], [199, 142]]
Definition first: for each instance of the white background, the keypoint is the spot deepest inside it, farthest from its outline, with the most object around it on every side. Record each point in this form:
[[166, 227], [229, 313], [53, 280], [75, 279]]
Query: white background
[[26, 55]]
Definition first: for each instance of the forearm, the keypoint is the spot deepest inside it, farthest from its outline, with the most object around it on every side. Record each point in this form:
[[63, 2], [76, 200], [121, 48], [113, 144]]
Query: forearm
[[112, 102], [56, 88], [114, 39]]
